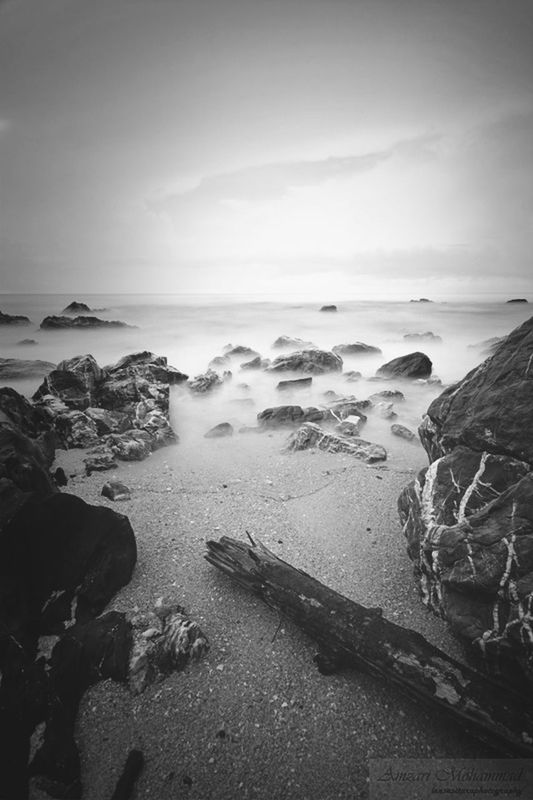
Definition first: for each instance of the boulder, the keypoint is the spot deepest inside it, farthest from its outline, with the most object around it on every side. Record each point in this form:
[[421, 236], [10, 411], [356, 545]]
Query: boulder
[[24, 468], [356, 349], [220, 430], [132, 445], [314, 362], [311, 435], [428, 336], [80, 323], [13, 319], [385, 410], [205, 382], [329, 308], [239, 351], [75, 429], [403, 432], [412, 365], [254, 363], [297, 383], [394, 395], [288, 416], [19, 368], [351, 426], [17, 410], [292, 343], [468, 517], [116, 490], [145, 365], [75, 308], [67, 386], [421, 300], [346, 407], [518, 300]]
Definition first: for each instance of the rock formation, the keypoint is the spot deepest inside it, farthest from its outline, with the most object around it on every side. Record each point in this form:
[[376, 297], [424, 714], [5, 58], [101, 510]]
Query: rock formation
[[412, 365], [356, 349], [76, 308], [312, 362], [468, 517], [13, 319], [311, 435], [80, 323]]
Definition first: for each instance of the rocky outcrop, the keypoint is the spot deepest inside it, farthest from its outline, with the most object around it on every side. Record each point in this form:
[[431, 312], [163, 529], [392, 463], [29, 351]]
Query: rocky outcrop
[[17, 368], [412, 365], [329, 308], [239, 351], [291, 343], [13, 319], [427, 336], [468, 517], [205, 382], [311, 435], [313, 362], [76, 308], [518, 300], [80, 323], [356, 349]]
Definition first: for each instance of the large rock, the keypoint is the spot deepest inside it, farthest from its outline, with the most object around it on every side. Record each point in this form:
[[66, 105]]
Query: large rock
[[75, 429], [205, 382], [80, 323], [311, 435], [292, 342], [288, 416], [412, 365], [19, 368], [75, 308], [314, 362], [17, 410], [13, 319], [356, 349], [468, 517], [427, 336]]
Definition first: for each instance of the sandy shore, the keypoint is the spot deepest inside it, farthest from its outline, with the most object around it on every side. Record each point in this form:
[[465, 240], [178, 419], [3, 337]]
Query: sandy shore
[[255, 719]]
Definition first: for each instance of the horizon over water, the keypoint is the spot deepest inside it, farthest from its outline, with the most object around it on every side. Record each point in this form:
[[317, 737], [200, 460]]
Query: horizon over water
[[190, 330]]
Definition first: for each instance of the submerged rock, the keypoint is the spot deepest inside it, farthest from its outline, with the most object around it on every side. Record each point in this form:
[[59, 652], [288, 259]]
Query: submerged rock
[[352, 376], [13, 319], [428, 336], [315, 362], [220, 430], [254, 363], [292, 342], [18, 368], [239, 350], [205, 382], [412, 365], [80, 323], [356, 349], [75, 308], [329, 308], [518, 300], [283, 416], [297, 383], [27, 342], [311, 435]]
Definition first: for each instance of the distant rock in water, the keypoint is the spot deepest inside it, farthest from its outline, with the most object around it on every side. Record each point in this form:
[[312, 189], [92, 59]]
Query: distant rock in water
[[329, 308], [254, 363], [352, 376], [421, 300], [297, 383], [412, 365], [518, 300], [315, 362], [27, 341], [355, 349], [76, 308], [13, 319], [239, 351], [219, 431], [288, 342], [288, 416], [219, 362], [428, 336], [81, 323], [468, 517], [17, 368]]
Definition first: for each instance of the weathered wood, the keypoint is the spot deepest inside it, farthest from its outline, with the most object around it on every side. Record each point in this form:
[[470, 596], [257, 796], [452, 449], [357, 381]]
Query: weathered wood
[[353, 635]]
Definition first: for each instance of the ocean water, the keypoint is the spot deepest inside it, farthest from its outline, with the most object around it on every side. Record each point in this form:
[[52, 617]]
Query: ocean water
[[190, 330]]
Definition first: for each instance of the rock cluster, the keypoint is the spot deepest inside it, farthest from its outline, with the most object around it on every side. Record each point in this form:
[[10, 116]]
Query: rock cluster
[[468, 517], [59, 323], [13, 319], [312, 362]]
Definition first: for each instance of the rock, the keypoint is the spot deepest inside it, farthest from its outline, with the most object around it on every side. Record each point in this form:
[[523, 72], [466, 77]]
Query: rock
[[255, 363], [403, 432], [315, 362], [17, 410], [239, 351], [351, 426], [68, 387], [145, 366], [421, 300], [385, 410], [489, 346], [297, 383], [13, 319], [108, 421], [85, 368], [283, 416], [219, 362], [115, 490], [310, 435], [17, 368], [23, 464], [432, 381], [100, 461], [222, 429], [346, 407], [75, 429], [80, 323], [27, 341], [412, 365], [292, 342], [132, 445], [164, 640], [352, 376], [518, 300], [60, 477], [329, 308], [356, 349], [205, 383], [75, 308], [468, 517], [393, 395], [428, 336]]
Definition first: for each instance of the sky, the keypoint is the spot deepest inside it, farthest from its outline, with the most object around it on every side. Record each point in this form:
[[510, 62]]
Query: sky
[[356, 148]]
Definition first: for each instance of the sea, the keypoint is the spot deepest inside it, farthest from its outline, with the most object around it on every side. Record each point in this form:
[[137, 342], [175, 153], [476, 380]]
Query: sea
[[192, 329]]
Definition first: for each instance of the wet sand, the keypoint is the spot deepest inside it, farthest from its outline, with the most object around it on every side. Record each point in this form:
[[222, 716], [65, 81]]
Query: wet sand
[[255, 718]]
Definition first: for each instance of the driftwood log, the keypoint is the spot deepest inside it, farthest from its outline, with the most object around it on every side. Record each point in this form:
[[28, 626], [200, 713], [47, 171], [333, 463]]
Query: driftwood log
[[351, 635]]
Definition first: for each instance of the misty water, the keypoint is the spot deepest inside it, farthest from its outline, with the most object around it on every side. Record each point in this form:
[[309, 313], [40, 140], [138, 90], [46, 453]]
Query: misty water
[[191, 330]]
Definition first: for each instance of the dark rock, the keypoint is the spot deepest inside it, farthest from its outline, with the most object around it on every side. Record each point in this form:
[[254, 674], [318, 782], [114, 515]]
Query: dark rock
[[355, 349], [75, 429], [146, 366], [108, 421], [68, 386], [292, 342], [115, 490], [351, 426], [75, 308], [297, 383], [347, 407], [132, 445], [403, 432], [17, 368], [27, 341], [421, 300], [100, 461], [329, 308], [13, 319], [255, 363], [283, 416], [205, 382], [310, 435], [128, 777], [23, 463], [518, 300], [394, 395], [222, 429], [239, 351], [412, 365], [16, 409], [60, 477], [315, 362], [428, 336], [80, 323]]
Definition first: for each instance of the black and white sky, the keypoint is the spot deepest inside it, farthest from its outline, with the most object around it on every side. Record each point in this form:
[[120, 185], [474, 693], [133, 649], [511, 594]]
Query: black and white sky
[[381, 147]]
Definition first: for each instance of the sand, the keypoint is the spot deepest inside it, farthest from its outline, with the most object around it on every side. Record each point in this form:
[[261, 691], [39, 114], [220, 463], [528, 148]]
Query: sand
[[254, 718]]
